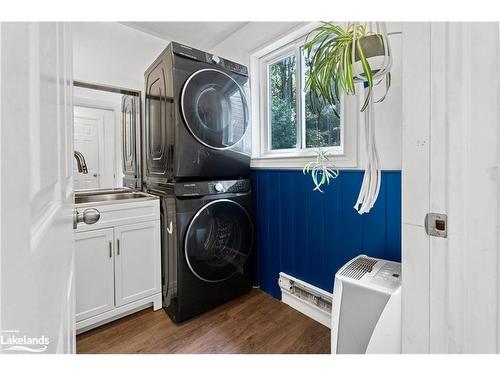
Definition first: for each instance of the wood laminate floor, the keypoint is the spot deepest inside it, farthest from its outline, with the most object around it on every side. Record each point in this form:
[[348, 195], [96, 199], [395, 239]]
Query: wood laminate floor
[[253, 323]]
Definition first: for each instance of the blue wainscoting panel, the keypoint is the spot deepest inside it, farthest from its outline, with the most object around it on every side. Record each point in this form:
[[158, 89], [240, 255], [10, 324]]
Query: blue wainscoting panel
[[310, 235]]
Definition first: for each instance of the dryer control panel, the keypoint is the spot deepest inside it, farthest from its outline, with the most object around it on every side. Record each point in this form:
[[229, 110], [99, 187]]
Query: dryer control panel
[[187, 189], [195, 54]]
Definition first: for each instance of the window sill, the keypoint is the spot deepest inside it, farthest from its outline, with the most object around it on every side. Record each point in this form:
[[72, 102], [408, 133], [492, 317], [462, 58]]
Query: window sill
[[298, 160]]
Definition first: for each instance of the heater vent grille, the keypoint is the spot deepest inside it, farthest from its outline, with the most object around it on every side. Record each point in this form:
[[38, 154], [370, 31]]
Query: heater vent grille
[[311, 297], [357, 269], [306, 298]]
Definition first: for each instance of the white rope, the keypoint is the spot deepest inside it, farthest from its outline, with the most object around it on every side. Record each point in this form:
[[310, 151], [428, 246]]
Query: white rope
[[372, 177]]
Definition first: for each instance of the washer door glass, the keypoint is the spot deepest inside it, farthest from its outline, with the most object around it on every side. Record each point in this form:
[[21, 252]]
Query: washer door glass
[[218, 241], [214, 108]]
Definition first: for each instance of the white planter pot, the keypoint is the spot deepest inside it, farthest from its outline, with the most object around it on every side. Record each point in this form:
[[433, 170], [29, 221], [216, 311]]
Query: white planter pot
[[375, 55]]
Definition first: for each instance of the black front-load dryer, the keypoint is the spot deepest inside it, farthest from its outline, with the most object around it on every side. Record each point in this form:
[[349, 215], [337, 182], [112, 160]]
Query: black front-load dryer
[[197, 117], [207, 245]]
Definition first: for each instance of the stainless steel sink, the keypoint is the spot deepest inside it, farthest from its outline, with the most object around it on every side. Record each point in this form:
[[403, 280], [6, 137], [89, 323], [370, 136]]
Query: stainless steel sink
[[108, 197]]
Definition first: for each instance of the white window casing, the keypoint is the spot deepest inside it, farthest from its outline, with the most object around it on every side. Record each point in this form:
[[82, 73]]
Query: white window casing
[[345, 156]]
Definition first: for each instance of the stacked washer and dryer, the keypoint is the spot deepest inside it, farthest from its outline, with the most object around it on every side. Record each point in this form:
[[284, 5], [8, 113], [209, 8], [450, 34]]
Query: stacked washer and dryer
[[197, 159]]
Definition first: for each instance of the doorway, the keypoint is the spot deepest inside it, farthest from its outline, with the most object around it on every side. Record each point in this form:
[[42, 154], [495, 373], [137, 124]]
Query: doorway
[[94, 137]]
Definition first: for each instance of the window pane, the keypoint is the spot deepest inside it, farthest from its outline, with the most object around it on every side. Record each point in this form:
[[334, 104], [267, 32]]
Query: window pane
[[322, 125], [282, 104]]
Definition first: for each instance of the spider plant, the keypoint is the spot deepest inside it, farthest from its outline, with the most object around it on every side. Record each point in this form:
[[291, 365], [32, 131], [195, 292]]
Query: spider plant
[[321, 170], [333, 51]]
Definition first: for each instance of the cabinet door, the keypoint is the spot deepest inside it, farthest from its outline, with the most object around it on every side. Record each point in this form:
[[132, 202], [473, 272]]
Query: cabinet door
[[94, 276], [137, 261]]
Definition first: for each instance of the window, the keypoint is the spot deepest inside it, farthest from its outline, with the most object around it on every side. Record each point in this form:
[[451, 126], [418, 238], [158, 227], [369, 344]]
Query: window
[[296, 119], [289, 123], [282, 89]]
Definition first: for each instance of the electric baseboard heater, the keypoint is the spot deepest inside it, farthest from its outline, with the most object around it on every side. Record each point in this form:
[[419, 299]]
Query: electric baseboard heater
[[366, 314], [306, 298]]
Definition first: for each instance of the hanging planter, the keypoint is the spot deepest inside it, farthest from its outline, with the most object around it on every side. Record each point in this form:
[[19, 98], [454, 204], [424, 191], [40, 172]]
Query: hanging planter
[[342, 61], [373, 50]]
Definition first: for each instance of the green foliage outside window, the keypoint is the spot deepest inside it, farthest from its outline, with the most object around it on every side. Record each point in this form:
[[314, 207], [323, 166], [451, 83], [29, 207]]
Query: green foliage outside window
[[283, 99], [322, 126]]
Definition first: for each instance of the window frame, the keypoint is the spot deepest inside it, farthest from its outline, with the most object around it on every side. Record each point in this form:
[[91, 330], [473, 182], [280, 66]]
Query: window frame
[[344, 156]]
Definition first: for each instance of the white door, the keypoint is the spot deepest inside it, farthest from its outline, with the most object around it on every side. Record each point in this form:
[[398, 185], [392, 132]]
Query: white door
[[94, 273], [36, 135], [451, 295], [87, 135], [95, 138], [137, 261]]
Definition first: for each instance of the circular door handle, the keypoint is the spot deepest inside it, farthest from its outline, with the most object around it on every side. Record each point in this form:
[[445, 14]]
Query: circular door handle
[[91, 216], [88, 216]]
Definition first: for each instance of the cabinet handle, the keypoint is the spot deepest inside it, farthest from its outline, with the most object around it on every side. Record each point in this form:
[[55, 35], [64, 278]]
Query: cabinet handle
[[118, 246], [110, 249]]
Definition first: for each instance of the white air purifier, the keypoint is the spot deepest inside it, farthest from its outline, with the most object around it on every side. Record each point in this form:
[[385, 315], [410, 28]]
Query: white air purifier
[[366, 313]]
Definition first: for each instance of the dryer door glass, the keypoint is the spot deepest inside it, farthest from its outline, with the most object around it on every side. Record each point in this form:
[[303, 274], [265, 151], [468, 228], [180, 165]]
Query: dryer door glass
[[218, 241], [214, 108]]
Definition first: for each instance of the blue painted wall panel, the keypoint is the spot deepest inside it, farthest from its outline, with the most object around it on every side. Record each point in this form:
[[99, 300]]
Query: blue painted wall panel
[[393, 216], [299, 233], [352, 228], [310, 235]]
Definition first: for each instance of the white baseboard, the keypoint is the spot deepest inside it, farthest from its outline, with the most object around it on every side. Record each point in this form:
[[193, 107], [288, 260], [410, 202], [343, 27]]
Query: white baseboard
[[305, 307], [109, 316]]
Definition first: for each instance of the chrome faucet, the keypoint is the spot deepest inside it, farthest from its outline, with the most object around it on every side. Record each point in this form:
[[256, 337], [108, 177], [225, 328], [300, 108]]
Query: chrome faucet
[[80, 161]]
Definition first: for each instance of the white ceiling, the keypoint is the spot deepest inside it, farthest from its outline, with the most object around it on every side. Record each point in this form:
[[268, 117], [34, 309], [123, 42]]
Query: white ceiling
[[202, 35]]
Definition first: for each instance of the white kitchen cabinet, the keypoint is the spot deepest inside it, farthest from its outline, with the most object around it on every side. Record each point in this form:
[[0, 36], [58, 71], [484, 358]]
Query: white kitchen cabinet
[[137, 260], [118, 262], [94, 275]]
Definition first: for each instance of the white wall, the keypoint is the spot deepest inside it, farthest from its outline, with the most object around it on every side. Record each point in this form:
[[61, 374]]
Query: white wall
[[388, 114], [109, 53], [113, 54], [252, 36]]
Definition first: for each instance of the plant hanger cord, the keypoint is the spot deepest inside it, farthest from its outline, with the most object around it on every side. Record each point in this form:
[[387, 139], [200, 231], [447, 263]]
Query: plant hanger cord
[[370, 187], [372, 177]]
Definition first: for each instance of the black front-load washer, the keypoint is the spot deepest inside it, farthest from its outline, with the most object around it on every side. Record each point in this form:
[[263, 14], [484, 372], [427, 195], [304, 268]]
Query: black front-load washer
[[197, 117], [207, 244]]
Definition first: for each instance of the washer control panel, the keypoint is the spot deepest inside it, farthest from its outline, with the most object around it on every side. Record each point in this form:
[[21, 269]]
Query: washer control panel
[[231, 186]]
